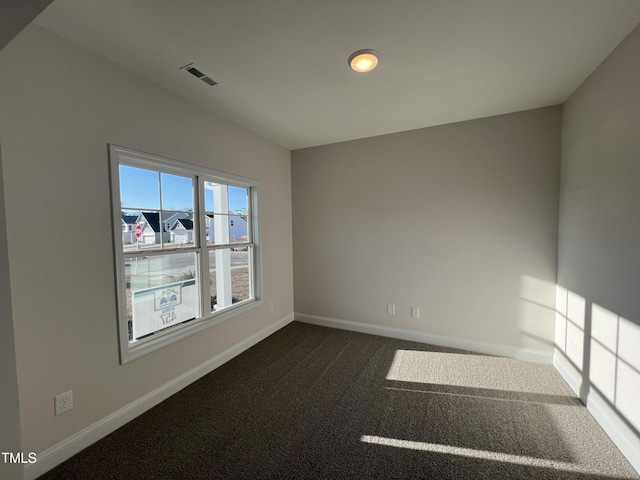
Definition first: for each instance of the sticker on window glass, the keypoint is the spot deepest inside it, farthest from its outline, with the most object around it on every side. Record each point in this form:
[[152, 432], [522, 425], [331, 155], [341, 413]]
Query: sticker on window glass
[[155, 309]]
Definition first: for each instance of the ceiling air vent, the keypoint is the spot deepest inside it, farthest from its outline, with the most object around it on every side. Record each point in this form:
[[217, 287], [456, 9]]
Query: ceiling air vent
[[198, 74]]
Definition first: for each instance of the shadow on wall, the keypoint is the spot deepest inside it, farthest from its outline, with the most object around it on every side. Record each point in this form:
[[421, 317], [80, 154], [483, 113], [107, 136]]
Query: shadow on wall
[[601, 349]]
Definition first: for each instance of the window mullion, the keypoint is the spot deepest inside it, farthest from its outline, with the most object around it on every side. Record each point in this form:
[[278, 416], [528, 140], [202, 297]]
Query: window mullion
[[160, 215], [152, 253], [221, 246], [250, 216], [205, 287]]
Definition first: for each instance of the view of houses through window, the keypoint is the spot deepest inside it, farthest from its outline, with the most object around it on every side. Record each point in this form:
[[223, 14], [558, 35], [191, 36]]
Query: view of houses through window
[[186, 245]]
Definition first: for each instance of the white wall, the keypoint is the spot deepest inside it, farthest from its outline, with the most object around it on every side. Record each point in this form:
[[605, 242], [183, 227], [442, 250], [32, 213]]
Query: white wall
[[59, 107], [599, 240], [459, 220]]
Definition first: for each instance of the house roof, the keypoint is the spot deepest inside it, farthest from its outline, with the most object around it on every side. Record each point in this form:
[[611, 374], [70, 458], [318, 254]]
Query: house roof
[[185, 222], [129, 219], [171, 220], [152, 219]]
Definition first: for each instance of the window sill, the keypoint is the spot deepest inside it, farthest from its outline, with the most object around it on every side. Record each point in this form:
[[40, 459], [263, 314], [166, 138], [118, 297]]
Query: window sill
[[130, 352]]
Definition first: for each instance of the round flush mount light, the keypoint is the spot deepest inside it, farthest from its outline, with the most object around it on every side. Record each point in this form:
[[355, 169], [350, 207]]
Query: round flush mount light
[[363, 60]]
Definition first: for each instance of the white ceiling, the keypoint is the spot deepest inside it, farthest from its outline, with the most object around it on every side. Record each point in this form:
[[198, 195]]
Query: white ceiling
[[282, 67]]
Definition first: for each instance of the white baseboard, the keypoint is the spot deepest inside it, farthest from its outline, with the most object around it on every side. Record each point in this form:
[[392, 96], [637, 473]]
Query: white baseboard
[[608, 418], [569, 372], [539, 356], [60, 452]]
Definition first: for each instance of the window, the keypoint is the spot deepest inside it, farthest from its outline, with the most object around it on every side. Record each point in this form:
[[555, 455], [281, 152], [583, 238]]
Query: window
[[185, 248]]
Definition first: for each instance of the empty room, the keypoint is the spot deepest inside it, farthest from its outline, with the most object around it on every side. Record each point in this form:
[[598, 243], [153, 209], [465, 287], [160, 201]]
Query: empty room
[[320, 239]]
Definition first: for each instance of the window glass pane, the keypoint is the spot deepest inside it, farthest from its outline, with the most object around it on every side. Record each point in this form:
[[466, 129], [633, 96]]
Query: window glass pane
[[177, 192], [129, 223], [230, 277], [208, 196], [238, 228], [210, 234], [238, 200], [216, 197], [161, 291], [241, 288], [139, 188], [223, 229], [218, 229], [152, 232], [181, 229], [145, 233], [213, 280]]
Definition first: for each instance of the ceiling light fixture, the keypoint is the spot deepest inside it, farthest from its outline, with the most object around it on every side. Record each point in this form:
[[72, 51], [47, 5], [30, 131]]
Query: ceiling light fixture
[[363, 60]]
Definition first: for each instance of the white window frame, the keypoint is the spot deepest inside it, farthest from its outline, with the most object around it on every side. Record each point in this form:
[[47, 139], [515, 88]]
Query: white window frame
[[130, 350]]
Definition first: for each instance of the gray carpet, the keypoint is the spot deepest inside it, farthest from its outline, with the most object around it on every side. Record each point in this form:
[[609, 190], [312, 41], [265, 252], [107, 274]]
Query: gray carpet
[[317, 403]]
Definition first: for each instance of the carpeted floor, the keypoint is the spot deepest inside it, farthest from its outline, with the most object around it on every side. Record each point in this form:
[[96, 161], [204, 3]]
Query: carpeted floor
[[317, 403]]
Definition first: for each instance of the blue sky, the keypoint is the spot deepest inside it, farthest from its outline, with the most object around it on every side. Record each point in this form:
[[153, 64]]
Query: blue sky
[[140, 190]]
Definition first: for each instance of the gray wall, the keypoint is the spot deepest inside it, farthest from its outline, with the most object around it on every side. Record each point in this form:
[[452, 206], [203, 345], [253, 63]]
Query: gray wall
[[59, 107], [16, 15], [459, 220], [10, 439], [599, 233]]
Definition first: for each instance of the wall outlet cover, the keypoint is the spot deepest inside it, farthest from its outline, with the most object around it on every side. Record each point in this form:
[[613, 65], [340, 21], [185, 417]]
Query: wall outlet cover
[[63, 402]]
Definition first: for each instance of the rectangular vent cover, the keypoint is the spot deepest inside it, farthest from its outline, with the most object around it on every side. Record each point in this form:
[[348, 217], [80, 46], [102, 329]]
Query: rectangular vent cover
[[195, 72], [209, 81], [198, 74]]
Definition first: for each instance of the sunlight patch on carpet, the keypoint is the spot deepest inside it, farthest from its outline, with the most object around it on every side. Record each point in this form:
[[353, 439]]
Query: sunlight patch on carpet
[[478, 454], [474, 371]]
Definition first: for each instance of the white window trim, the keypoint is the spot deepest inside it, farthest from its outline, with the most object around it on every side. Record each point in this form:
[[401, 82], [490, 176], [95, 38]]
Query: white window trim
[[120, 155]]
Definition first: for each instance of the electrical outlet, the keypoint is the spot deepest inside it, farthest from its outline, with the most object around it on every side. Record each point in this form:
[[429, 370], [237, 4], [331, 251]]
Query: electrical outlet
[[415, 312], [271, 306], [391, 309], [573, 348], [63, 402]]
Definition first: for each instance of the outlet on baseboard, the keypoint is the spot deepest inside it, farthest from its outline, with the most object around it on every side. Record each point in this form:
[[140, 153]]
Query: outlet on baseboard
[[63, 402]]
